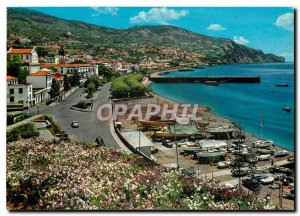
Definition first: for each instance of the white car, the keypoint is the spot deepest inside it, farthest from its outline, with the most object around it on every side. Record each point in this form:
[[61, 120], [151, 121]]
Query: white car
[[74, 124]]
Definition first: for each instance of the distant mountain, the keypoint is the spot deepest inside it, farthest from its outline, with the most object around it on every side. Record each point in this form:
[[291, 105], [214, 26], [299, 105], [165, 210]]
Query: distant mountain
[[161, 43]]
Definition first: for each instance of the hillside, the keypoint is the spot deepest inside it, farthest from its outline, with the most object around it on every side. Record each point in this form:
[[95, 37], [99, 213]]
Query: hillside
[[162, 43], [79, 176]]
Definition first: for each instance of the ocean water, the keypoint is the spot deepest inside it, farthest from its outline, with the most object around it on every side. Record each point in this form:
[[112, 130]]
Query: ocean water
[[243, 102]]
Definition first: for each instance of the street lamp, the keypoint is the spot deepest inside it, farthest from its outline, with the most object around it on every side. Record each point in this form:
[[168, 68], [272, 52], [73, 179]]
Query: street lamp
[[176, 146]]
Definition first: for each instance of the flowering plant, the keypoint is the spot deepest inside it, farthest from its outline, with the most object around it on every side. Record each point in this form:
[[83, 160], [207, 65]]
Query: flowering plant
[[76, 176]]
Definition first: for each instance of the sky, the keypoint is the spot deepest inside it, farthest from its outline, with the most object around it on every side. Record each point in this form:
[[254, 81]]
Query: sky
[[270, 29]]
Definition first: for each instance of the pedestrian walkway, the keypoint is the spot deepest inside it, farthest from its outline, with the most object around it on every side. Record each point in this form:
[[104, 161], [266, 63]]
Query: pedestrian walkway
[[22, 122]]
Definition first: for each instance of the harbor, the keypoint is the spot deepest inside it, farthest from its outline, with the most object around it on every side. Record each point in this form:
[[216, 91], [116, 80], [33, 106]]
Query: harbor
[[208, 147]]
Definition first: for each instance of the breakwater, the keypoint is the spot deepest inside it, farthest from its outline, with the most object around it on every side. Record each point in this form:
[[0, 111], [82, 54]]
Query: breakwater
[[225, 79]]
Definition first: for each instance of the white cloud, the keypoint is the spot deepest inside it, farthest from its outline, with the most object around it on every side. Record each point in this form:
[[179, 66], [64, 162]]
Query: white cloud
[[215, 27], [105, 10], [241, 40], [286, 21], [158, 15]]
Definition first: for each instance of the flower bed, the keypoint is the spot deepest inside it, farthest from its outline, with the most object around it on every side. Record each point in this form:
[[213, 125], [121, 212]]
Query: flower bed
[[71, 175]]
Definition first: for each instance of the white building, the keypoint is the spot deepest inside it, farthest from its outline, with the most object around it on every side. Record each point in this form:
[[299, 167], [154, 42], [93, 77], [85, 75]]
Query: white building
[[83, 69], [41, 83], [18, 93], [29, 56], [52, 59]]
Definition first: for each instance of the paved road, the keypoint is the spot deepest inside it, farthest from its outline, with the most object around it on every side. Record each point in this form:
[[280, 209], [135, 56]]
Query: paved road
[[89, 126]]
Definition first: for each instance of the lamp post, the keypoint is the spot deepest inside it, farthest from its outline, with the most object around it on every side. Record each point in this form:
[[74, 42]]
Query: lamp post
[[177, 161]]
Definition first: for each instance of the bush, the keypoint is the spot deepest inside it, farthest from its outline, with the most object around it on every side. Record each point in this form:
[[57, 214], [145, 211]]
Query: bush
[[81, 105], [23, 131]]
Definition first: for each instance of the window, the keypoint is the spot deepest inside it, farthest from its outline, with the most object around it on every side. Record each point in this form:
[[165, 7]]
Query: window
[[12, 99], [27, 57], [11, 91], [29, 89], [20, 90]]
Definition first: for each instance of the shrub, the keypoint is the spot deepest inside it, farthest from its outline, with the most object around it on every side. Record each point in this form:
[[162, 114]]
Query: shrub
[[81, 105], [23, 131]]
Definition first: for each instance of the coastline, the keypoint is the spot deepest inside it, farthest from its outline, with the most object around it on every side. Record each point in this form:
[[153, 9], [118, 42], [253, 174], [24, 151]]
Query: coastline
[[209, 115]]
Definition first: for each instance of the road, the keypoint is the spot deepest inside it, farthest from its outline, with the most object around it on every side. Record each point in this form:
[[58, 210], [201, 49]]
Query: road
[[89, 126]]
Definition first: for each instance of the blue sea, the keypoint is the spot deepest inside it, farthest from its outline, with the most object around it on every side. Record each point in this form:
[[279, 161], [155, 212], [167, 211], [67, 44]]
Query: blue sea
[[243, 102]]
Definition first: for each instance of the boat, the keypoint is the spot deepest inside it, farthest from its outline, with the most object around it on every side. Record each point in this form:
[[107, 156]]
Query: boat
[[213, 83], [287, 109], [264, 157], [274, 186], [266, 151], [162, 123], [281, 153], [282, 85], [185, 69], [262, 144], [190, 149], [206, 154], [223, 164], [268, 180]]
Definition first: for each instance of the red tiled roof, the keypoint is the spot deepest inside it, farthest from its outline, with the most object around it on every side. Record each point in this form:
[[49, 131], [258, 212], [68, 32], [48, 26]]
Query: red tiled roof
[[58, 76], [20, 51], [40, 73], [65, 65], [10, 78]]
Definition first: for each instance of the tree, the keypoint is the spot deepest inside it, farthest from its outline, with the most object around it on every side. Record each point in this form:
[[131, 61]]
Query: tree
[[67, 84], [61, 51], [54, 91], [22, 75], [14, 63], [106, 72], [76, 79], [91, 88]]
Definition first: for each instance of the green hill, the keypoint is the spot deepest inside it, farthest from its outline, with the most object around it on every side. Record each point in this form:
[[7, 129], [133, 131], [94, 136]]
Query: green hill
[[159, 42]]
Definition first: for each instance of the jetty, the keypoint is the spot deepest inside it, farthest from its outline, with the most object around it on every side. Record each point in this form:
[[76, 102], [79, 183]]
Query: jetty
[[221, 79]]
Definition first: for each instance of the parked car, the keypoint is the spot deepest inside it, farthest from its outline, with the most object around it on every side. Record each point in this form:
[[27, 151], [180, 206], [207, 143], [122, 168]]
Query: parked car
[[74, 124]]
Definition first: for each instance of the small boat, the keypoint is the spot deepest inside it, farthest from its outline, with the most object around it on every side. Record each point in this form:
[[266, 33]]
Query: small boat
[[205, 154], [213, 83], [222, 164], [187, 149], [264, 157], [274, 186], [282, 85], [281, 153], [278, 176], [291, 159], [266, 151], [287, 109], [262, 143], [268, 180]]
